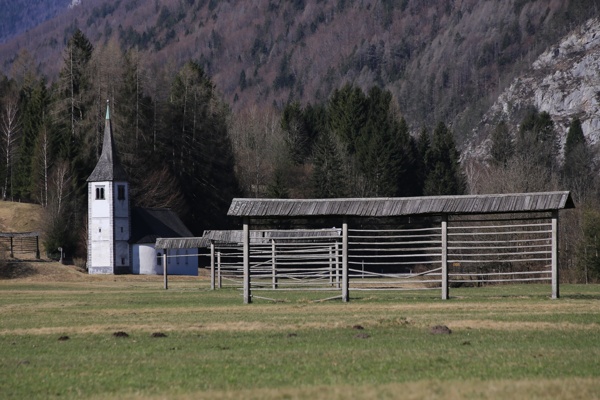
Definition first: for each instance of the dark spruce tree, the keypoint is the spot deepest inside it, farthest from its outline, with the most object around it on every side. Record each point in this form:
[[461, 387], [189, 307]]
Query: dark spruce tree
[[328, 179], [502, 148], [198, 149], [444, 173], [537, 141], [578, 170]]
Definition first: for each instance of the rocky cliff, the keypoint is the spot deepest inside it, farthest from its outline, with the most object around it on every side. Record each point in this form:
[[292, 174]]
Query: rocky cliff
[[564, 81]]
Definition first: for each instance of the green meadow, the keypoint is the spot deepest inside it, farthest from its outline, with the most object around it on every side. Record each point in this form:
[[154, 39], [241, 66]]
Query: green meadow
[[132, 339]]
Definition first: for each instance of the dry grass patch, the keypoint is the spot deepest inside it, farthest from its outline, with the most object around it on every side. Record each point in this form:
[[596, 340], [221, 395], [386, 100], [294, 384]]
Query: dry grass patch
[[566, 388], [19, 217]]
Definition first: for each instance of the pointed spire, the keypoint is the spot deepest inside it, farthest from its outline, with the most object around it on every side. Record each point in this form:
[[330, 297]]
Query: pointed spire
[[109, 167]]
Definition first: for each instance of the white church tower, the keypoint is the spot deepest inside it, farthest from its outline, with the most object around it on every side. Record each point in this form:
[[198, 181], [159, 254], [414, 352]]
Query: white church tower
[[109, 223]]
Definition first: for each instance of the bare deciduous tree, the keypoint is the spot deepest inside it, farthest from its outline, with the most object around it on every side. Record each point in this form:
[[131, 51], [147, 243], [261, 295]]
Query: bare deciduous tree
[[258, 143], [10, 134]]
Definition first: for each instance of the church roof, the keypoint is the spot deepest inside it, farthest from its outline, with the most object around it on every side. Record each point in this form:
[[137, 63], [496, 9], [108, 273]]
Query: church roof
[[109, 167], [148, 224]]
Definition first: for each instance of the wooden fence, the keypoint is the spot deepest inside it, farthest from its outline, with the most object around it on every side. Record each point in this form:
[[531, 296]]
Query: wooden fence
[[22, 243]]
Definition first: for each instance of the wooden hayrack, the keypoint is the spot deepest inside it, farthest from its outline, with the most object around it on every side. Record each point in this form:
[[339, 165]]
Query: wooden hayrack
[[493, 232]]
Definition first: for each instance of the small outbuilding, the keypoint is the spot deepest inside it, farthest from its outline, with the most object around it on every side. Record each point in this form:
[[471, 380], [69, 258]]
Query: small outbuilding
[[148, 224]]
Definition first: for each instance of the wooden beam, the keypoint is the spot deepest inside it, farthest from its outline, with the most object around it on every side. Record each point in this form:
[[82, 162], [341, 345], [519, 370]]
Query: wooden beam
[[212, 265], [165, 274], [345, 283], [444, 261], [219, 277], [246, 261], [555, 274], [274, 263]]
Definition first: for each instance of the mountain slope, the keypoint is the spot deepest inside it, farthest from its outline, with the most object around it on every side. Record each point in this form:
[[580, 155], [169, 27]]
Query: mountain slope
[[442, 59], [18, 16], [563, 81]]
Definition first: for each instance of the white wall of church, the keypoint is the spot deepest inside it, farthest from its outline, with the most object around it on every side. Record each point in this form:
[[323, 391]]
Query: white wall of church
[[179, 262], [145, 260]]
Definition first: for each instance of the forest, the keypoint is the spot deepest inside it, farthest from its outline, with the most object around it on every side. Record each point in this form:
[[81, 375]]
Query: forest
[[183, 147]]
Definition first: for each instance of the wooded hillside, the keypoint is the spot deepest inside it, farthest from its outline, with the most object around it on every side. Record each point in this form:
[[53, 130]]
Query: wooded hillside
[[212, 100], [441, 60]]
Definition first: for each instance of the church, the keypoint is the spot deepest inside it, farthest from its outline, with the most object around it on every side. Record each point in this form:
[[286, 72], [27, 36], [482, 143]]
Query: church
[[121, 239]]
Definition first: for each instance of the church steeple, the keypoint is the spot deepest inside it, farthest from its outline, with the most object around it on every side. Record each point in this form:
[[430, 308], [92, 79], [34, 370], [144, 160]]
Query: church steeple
[[108, 211], [109, 167]]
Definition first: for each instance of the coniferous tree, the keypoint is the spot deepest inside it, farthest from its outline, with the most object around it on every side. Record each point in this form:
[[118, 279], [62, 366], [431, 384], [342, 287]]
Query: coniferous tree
[[198, 148], [502, 149], [445, 176], [577, 170], [409, 178], [35, 106], [328, 180], [347, 111], [537, 141]]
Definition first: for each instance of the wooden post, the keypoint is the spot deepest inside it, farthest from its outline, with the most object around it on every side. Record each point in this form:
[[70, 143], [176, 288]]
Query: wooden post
[[274, 263], [337, 264], [444, 257], [331, 265], [12, 253], [555, 275], [212, 265], [219, 277], [37, 247], [165, 274], [246, 261], [345, 283]]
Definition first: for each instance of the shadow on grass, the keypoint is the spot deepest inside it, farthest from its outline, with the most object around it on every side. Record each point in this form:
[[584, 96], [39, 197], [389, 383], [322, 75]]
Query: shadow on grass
[[17, 269], [580, 296]]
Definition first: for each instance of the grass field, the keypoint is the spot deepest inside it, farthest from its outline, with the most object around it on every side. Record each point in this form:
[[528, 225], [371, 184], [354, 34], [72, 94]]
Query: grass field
[[57, 339]]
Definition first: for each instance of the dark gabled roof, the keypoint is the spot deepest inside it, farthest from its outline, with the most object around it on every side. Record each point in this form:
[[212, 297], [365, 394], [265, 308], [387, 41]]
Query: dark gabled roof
[[109, 167], [234, 237], [401, 206], [148, 224]]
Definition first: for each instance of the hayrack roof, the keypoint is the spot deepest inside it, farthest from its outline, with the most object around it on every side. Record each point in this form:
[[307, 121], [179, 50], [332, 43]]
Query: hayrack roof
[[401, 206], [234, 237]]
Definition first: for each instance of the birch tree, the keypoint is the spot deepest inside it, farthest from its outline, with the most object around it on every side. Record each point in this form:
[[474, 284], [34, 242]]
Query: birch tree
[[10, 137]]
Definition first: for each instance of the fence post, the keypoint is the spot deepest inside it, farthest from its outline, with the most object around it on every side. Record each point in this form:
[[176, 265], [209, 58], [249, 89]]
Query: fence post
[[274, 263], [246, 261], [555, 275], [37, 247], [212, 265], [166, 280], [219, 278], [445, 257], [337, 265], [345, 279]]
